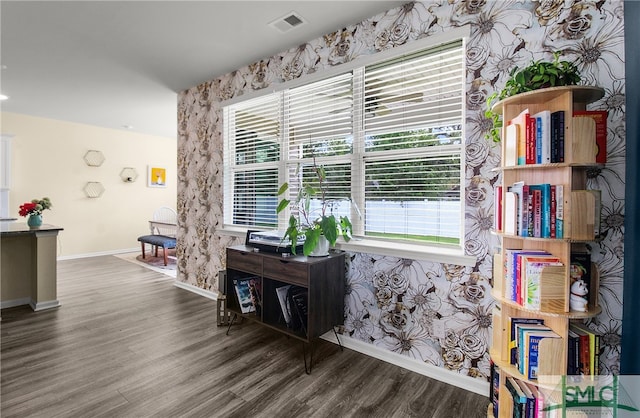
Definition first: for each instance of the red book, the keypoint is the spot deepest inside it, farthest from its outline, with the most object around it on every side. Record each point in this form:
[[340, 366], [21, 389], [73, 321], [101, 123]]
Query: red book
[[497, 206], [530, 156]]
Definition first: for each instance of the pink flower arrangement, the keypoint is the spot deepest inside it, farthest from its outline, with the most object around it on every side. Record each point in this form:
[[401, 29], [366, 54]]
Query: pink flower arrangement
[[35, 207]]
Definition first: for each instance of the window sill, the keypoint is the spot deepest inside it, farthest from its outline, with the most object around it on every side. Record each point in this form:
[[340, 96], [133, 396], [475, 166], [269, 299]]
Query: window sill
[[405, 250], [433, 253]]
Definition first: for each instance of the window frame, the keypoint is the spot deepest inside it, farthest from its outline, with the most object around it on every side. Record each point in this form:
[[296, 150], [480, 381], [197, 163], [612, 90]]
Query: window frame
[[401, 248]]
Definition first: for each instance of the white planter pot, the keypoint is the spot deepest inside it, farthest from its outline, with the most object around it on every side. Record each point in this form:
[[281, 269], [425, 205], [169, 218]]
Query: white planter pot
[[322, 250]]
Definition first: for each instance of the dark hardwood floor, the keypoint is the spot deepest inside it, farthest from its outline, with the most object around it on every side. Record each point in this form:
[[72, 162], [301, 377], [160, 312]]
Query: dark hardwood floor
[[127, 343]]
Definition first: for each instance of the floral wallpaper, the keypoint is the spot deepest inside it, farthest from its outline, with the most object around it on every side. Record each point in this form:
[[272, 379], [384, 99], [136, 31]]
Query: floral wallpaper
[[432, 312]]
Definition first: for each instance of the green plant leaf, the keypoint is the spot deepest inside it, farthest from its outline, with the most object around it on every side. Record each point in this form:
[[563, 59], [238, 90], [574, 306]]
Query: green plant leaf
[[346, 228], [283, 188], [329, 228], [282, 205]]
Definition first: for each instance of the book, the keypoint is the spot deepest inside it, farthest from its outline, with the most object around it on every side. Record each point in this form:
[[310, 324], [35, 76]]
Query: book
[[511, 146], [518, 189], [531, 348], [521, 347], [559, 211], [497, 208], [297, 298], [244, 295], [583, 350], [543, 134], [255, 290], [513, 322], [519, 274], [284, 306], [494, 388], [557, 136], [530, 405], [510, 213], [600, 118], [532, 277], [592, 345], [519, 398], [523, 125], [552, 211], [530, 156], [573, 353], [510, 270]]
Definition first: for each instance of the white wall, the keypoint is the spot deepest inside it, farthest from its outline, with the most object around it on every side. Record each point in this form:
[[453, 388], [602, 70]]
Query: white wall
[[47, 160]]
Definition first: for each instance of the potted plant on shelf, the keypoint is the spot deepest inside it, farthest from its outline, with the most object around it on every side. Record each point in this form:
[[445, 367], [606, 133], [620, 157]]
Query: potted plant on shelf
[[537, 75], [320, 227]]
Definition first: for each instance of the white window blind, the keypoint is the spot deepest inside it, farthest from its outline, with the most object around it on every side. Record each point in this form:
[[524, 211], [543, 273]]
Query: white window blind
[[252, 156], [413, 136], [389, 137]]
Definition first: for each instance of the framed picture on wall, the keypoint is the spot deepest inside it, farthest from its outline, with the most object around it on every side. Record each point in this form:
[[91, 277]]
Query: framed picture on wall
[[157, 176]]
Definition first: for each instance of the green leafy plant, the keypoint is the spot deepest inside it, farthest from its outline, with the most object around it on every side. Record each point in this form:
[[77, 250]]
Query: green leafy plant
[[537, 75], [312, 224]]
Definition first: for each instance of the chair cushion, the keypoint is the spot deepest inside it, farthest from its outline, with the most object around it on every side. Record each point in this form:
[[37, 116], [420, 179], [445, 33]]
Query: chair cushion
[[159, 240]]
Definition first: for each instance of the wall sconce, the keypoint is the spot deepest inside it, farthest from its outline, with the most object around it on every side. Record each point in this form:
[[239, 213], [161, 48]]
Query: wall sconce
[[129, 175]]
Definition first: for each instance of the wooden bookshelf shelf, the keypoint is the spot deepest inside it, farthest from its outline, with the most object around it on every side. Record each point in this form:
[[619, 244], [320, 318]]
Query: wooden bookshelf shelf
[[580, 225]]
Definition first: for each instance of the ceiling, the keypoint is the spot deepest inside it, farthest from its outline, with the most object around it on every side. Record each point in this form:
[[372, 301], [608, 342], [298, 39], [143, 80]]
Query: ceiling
[[120, 64]]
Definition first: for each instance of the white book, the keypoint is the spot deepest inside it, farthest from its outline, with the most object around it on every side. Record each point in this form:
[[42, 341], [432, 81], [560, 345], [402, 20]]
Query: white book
[[511, 146], [510, 213]]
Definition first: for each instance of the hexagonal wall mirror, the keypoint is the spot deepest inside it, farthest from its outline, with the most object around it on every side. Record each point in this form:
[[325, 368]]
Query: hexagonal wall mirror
[[94, 158], [93, 189]]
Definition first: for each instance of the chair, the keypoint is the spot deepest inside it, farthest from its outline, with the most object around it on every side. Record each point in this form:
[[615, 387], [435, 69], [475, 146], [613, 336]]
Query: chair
[[164, 215], [163, 228]]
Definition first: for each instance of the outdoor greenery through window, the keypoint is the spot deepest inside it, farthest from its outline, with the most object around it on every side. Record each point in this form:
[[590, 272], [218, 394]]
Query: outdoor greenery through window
[[389, 136]]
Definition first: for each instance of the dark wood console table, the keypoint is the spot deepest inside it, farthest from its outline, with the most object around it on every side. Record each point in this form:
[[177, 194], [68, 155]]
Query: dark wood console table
[[323, 278]]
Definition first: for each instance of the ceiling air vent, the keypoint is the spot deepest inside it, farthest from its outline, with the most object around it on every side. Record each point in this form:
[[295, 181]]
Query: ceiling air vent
[[287, 22]]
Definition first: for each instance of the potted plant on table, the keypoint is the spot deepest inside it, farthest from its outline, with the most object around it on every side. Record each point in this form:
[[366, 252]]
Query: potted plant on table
[[319, 227], [537, 75], [34, 210]]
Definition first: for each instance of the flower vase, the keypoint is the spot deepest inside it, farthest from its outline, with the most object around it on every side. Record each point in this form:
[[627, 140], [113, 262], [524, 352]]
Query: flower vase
[[34, 221]]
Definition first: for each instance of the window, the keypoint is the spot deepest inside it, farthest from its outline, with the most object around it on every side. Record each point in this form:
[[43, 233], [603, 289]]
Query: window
[[389, 136]]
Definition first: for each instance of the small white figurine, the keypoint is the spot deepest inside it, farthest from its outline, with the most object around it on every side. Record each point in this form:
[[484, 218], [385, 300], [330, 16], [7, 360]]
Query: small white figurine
[[578, 299]]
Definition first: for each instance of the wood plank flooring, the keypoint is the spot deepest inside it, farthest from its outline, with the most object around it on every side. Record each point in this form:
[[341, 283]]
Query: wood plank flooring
[[127, 343]]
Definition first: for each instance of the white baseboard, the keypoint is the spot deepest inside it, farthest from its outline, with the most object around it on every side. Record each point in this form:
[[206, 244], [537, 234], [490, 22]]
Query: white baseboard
[[28, 301], [15, 302], [44, 305], [464, 382], [195, 289], [98, 254]]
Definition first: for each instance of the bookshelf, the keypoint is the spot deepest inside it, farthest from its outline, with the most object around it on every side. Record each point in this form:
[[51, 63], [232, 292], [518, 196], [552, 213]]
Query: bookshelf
[[580, 224], [321, 280]]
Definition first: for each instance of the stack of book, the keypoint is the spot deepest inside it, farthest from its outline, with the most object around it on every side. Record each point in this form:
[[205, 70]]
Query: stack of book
[[523, 273], [533, 210], [528, 401], [535, 138], [584, 351], [526, 334]]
